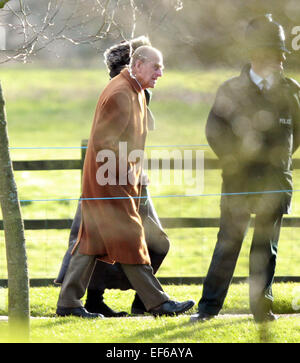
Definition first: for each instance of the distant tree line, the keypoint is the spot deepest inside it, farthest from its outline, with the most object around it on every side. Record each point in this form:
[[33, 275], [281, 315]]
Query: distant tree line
[[190, 32]]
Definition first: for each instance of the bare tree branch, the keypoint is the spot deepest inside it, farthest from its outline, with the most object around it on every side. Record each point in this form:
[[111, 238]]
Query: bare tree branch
[[74, 21], [55, 26]]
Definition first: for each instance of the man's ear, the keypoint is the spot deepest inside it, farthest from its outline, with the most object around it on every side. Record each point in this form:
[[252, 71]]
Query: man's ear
[[138, 64]]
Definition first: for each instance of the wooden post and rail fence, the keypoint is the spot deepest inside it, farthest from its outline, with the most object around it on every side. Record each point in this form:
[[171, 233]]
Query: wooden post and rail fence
[[186, 222]]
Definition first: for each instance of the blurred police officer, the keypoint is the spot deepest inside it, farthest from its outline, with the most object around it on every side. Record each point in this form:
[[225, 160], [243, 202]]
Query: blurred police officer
[[253, 127]]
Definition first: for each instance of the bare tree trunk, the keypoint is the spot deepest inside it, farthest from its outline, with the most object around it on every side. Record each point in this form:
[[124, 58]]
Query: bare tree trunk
[[18, 282]]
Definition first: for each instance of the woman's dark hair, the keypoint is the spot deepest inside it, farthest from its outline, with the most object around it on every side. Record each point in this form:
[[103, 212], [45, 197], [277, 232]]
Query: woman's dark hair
[[118, 56]]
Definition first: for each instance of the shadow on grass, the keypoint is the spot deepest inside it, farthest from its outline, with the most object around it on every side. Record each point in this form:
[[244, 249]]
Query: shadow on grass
[[172, 331]]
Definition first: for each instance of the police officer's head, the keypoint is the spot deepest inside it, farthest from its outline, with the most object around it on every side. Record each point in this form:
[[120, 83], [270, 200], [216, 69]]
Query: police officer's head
[[265, 41]]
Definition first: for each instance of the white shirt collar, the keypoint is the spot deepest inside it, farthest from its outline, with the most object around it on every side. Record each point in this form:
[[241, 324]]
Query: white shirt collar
[[258, 79]]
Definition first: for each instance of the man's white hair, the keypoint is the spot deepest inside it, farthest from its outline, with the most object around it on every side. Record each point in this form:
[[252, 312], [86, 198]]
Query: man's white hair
[[144, 54]]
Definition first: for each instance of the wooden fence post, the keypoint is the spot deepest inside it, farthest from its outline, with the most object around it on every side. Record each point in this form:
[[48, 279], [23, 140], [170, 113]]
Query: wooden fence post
[[83, 152]]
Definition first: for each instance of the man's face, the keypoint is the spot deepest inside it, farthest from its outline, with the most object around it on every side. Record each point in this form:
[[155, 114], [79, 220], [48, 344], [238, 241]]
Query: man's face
[[149, 71], [270, 61]]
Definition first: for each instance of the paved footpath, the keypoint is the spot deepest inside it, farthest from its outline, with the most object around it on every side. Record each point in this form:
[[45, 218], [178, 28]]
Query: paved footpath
[[220, 316]]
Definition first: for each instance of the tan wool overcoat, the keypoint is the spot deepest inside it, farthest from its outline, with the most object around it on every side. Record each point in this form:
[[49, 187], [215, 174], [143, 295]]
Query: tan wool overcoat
[[111, 227]]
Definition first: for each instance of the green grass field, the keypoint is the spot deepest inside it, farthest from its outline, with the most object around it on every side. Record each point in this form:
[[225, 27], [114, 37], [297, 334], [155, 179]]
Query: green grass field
[[54, 108], [237, 328]]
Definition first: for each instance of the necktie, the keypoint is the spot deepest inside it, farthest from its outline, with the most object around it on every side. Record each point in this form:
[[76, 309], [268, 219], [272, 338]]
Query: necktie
[[264, 85]]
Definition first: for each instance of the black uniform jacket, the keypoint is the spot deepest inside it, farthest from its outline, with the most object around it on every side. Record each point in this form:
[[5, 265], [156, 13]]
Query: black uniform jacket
[[254, 134]]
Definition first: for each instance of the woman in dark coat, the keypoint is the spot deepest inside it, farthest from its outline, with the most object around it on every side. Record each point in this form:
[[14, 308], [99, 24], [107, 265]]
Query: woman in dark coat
[[111, 275]]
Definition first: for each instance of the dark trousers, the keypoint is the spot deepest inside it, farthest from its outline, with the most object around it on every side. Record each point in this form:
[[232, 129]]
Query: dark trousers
[[79, 272], [112, 276], [234, 222]]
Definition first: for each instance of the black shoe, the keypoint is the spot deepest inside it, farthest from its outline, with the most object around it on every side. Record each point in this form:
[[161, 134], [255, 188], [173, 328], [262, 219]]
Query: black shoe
[[80, 312], [171, 307], [201, 317], [137, 311], [102, 308], [266, 317], [137, 307]]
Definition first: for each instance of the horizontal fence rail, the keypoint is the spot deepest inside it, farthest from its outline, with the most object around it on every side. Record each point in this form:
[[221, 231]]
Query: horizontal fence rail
[[167, 223], [47, 165], [76, 164]]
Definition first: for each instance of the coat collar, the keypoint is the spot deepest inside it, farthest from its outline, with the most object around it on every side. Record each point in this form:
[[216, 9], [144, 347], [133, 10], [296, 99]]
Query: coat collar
[[246, 78], [133, 82]]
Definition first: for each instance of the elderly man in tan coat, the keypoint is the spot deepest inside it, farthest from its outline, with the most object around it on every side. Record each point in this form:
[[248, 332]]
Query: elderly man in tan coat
[[111, 228]]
